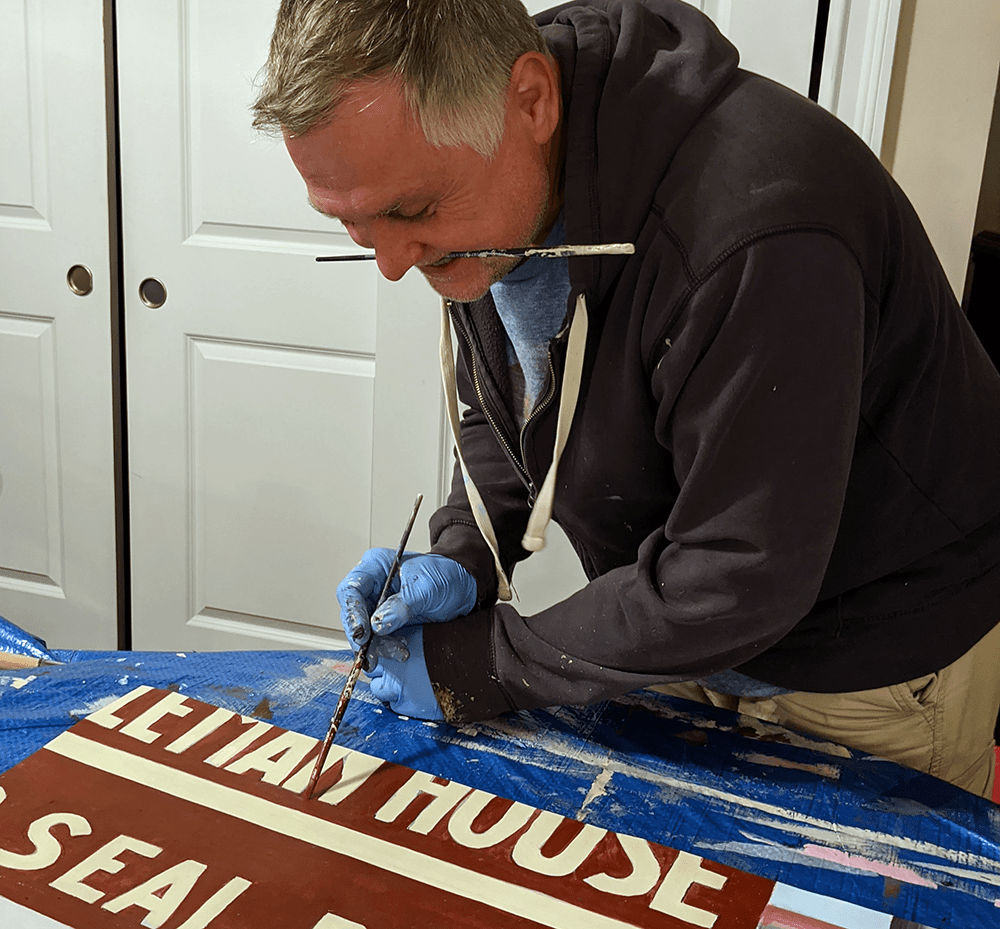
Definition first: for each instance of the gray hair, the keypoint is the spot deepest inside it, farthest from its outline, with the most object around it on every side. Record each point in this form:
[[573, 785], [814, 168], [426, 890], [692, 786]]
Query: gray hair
[[453, 58]]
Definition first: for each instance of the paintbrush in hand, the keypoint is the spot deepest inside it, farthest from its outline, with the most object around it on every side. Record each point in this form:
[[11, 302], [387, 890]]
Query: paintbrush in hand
[[360, 662]]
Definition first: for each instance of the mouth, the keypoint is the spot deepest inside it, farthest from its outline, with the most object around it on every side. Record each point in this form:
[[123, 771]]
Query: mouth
[[438, 265]]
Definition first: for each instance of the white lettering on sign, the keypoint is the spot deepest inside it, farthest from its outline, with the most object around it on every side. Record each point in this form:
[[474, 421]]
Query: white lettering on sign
[[445, 795], [528, 849], [643, 876], [172, 704], [277, 759], [685, 871], [104, 859], [161, 895], [201, 730], [355, 768], [47, 847], [463, 819], [106, 715], [215, 904], [242, 742]]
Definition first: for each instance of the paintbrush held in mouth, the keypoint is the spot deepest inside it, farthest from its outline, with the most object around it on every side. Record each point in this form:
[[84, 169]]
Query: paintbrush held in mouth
[[554, 251]]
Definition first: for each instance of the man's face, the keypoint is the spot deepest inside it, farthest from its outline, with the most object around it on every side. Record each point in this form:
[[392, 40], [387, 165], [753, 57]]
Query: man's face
[[371, 168]]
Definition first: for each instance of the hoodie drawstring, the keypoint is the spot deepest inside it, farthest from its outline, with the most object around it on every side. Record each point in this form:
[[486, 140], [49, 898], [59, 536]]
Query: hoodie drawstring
[[576, 346], [541, 512]]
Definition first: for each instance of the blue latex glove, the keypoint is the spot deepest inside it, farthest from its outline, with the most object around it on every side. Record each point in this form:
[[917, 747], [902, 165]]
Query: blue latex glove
[[427, 589], [404, 684]]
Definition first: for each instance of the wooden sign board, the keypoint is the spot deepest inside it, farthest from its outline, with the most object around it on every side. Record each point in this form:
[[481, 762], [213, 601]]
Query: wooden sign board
[[163, 812]]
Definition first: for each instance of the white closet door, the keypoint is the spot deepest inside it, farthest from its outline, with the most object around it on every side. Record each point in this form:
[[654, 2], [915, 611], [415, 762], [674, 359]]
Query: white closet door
[[774, 37], [282, 414], [57, 502]]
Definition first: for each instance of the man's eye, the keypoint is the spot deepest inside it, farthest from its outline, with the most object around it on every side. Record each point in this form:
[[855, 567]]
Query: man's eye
[[411, 217]]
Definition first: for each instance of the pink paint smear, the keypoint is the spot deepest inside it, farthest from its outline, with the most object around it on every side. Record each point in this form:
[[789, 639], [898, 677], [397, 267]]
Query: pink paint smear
[[897, 872]]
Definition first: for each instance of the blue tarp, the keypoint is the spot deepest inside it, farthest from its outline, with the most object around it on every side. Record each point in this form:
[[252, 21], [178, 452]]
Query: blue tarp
[[728, 788]]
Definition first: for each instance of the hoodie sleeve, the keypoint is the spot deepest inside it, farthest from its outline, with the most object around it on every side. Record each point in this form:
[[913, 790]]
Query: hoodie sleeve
[[758, 401]]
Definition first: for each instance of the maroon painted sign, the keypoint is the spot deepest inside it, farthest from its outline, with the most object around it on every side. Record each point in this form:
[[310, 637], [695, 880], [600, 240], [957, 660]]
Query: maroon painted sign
[[161, 811]]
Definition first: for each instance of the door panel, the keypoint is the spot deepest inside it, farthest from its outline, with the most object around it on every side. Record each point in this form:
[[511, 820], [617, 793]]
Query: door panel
[[31, 544], [268, 394], [775, 37], [57, 501], [254, 501]]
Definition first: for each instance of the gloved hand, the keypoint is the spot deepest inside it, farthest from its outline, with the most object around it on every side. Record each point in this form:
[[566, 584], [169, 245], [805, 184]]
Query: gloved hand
[[427, 589], [404, 683]]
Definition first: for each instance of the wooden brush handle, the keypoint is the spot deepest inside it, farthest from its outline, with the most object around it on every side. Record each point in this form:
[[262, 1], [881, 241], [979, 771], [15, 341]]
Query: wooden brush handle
[[11, 662]]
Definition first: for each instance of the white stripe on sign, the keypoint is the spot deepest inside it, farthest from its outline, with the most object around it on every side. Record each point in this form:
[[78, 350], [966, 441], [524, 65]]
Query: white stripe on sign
[[444, 875]]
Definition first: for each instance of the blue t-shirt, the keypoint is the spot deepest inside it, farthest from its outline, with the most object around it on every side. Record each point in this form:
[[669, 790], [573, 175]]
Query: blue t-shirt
[[531, 301]]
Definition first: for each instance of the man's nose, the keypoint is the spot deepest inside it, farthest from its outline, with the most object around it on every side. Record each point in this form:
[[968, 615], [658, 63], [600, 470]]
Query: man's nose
[[396, 248]]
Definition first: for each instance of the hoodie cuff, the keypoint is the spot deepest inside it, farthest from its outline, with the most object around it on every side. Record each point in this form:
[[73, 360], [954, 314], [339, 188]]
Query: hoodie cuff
[[459, 656]]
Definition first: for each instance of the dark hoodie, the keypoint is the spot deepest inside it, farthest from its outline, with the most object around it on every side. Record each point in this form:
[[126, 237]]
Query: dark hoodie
[[785, 458]]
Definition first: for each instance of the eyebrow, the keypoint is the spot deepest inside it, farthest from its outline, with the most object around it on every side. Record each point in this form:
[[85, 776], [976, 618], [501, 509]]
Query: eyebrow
[[388, 211], [320, 209]]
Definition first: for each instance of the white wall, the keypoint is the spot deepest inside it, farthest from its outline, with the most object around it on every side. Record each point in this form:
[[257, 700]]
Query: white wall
[[938, 118]]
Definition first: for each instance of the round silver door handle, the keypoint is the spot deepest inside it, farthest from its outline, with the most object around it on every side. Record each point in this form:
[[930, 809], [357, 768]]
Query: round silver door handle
[[80, 280], [152, 293]]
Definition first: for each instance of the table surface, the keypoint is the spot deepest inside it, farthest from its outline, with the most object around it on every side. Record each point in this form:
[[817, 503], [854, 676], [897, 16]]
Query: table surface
[[728, 788]]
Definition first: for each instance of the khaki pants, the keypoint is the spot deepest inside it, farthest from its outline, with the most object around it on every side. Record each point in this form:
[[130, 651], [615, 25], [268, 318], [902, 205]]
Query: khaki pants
[[941, 724]]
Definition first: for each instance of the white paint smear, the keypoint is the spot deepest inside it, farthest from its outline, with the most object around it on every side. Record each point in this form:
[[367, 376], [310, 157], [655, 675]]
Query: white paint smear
[[597, 789]]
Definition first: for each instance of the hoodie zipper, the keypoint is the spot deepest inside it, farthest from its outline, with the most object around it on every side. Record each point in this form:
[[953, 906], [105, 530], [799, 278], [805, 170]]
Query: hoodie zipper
[[484, 406], [518, 462], [539, 407]]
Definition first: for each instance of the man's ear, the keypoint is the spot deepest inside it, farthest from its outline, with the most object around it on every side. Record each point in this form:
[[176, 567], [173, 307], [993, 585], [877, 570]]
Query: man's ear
[[535, 95]]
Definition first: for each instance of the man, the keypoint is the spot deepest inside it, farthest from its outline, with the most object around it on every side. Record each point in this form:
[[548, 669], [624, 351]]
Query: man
[[769, 434]]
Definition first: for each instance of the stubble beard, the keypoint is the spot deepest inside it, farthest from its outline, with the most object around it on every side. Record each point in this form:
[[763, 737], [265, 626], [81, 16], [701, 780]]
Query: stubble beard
[[497, 268]]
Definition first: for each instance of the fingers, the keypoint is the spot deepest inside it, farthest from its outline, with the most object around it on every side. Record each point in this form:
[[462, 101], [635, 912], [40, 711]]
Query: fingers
[[432, 588], [395, 613], [359, 591], [354, 618]]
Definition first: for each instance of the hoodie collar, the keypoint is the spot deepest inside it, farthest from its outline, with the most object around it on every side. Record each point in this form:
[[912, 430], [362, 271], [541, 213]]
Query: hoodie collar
[[636, 76]]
